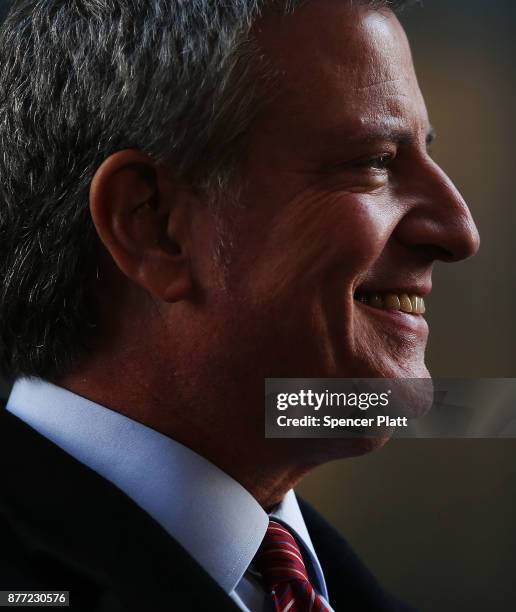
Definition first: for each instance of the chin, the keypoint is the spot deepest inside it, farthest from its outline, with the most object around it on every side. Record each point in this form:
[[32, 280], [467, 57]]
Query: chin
[[324, 450], [404, 371], [388, 365]]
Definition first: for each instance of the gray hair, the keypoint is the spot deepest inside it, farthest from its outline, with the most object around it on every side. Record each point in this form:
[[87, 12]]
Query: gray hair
[[80, 80]]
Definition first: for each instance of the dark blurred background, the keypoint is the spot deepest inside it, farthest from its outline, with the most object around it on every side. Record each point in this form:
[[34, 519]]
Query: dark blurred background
[[435, 520]]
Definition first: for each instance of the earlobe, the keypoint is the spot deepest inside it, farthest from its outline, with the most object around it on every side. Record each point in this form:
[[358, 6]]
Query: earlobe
[[140, 215]]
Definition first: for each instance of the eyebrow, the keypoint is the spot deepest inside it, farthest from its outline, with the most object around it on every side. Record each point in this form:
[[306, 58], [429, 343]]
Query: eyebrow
[[333, 143], [398, 135]]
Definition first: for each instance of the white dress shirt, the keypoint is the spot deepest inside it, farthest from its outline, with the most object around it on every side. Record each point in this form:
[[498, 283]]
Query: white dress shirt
[[211, 515]]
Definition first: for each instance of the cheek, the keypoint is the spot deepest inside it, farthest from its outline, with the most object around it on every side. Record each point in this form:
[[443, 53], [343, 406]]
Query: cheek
[[314, 238]]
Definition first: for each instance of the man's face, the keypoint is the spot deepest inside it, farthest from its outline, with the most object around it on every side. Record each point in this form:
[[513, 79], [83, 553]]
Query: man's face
[[341, 201]]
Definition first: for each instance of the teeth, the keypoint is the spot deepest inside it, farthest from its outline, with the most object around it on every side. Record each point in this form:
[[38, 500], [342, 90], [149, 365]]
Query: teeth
[[392, 302], [412, 304], [406, 303], [418, 304]]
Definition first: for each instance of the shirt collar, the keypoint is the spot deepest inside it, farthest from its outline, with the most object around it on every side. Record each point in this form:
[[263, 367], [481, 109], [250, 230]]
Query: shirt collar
[[212, 516]]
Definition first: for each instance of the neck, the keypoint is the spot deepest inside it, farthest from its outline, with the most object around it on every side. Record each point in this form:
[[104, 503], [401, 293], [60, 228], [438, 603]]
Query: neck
[[264, 467]]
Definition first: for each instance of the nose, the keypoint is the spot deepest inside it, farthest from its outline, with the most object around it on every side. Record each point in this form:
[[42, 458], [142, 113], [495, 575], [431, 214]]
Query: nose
[[439, 221]]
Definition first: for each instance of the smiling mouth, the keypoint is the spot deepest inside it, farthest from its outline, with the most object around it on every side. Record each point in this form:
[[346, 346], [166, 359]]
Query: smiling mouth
[[409, 304]]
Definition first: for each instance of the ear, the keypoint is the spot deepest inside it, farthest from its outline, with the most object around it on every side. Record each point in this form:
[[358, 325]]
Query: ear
[[142, 216]]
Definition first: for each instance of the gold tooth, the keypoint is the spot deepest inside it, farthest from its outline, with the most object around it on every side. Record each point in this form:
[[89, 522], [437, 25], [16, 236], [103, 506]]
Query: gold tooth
[[405, 304], [376, 301], [422, 308], [391, 302]]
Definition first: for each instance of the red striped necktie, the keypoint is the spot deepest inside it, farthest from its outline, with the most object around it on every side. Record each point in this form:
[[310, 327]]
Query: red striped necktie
[[284, 574]]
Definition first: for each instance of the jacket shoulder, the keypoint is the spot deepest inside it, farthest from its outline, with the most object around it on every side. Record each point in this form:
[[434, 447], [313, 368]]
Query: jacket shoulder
[[62, 526]]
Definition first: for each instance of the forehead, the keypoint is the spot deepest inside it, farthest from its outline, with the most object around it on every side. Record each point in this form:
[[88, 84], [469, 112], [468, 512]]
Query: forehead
[[339, 68]]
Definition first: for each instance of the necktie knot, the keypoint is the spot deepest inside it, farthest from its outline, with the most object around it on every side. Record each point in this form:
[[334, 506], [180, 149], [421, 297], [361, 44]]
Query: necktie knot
[[279, 559], [284, 574]]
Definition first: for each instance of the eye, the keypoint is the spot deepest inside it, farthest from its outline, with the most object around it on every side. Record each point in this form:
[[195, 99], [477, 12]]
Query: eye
[[379, 163]]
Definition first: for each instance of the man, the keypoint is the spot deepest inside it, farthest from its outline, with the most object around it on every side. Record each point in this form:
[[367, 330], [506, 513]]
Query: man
[[197, 196]]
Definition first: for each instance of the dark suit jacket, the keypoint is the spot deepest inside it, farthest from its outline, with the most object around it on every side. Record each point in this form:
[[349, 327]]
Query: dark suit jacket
[[63, 527]]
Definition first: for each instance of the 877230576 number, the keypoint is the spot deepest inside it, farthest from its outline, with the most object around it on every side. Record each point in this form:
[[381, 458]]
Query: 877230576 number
[[34, 598]]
